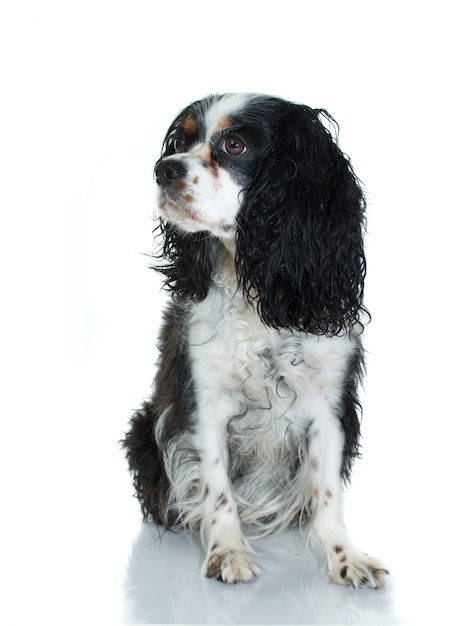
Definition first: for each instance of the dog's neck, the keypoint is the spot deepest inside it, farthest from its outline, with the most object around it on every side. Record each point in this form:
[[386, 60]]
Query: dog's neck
[[230, 246], [226, 270]]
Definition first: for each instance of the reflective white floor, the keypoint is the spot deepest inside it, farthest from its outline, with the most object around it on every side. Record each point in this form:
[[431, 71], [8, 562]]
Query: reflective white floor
[[163, 584]]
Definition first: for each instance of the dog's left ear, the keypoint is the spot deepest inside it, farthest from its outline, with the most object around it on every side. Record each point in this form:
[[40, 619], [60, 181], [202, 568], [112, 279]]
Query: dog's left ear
[[300, 253]]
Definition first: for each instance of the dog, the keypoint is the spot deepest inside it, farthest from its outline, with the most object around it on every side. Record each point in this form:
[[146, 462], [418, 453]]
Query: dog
[[254, 418]]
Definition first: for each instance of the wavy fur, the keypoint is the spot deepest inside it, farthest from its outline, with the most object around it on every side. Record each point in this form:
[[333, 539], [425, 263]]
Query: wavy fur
[[304, 192], [254, 417]]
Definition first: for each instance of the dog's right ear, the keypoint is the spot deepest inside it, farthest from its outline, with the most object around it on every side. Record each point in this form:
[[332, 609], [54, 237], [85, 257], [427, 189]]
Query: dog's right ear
[[187, 261]]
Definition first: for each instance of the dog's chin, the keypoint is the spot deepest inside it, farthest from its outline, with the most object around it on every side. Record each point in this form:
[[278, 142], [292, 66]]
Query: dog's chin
[[180, 214], [185, 217]]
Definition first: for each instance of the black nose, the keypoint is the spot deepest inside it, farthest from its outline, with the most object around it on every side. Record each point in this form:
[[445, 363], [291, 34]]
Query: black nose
[[168, 170]]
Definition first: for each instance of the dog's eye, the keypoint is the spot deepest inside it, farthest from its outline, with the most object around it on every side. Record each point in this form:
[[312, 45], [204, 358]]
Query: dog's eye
[[234, 145], [179, 145]]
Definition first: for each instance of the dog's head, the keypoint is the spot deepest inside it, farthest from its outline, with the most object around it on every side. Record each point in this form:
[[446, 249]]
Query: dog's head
[[267, 176], [210, 155]]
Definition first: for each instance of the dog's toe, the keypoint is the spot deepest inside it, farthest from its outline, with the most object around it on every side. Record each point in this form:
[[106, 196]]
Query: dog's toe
[[358, 570]]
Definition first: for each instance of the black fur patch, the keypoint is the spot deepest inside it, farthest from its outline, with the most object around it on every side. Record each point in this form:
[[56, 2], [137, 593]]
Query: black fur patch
[[173, 395]]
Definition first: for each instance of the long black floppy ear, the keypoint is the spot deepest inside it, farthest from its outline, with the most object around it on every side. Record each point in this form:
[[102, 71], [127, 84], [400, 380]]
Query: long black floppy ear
[[187, 260], [300, 251]]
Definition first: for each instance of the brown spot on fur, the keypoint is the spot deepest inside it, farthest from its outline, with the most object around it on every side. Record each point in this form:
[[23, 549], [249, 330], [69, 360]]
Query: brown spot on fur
[[338, 549], [214, 167], [343, 559], [343, 571], [190, 126], [221, 501], [229, 509], [214, 566], [180, 185], [223, 124], [329, 493], [196, 180], [188, 198], [315, 492], [205, 155]]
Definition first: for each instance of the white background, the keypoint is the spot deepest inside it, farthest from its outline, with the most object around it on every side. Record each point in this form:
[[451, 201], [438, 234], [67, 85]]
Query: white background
[[87, 92]]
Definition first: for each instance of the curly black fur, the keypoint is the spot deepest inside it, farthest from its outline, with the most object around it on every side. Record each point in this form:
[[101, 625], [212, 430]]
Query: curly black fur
[[300, 231], [174, 394], [350, 411], [189, 259]]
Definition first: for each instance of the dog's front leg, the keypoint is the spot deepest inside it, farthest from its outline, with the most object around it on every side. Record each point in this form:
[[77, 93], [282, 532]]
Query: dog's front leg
[[229, 556], [346, 564]]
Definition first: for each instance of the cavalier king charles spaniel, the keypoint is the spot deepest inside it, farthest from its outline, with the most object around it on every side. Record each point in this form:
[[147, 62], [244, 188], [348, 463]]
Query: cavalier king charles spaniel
[[253, 423]]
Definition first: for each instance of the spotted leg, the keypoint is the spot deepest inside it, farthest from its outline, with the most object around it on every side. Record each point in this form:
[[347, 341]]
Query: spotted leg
[[346, 564], [229, 556]]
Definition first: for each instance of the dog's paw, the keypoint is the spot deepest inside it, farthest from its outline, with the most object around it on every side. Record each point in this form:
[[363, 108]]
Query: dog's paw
[[231, 566], [350, 567]]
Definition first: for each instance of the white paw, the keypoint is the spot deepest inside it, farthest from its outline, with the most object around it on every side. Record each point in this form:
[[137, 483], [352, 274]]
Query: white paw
[[347, 566], [230, 566]]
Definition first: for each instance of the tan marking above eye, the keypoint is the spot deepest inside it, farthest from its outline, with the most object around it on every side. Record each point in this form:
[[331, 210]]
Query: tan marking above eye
[[190, 125], [223, 124]]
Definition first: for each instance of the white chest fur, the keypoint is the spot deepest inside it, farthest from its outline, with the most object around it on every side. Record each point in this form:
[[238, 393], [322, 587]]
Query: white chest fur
[[284, 371], [262, 391]]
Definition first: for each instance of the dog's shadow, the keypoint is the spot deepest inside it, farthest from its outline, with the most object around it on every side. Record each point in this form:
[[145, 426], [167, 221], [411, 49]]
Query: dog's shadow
[[163, 584]]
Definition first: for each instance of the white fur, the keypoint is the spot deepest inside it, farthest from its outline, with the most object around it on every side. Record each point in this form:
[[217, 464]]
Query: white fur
[[268, 444], [214, 198], [223, 108], [262, 392]]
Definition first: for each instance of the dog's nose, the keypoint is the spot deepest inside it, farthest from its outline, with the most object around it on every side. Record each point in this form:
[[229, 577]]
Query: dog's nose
[[168, 170]]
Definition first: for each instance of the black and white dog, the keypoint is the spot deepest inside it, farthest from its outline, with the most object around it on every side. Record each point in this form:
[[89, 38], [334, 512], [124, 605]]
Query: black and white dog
[[253, 422]]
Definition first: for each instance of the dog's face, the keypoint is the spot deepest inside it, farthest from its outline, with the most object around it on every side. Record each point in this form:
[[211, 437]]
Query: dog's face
[[210, 153]]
